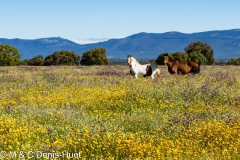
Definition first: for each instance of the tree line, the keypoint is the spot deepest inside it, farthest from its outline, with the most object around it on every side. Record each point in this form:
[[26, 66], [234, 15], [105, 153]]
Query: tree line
[[9, 56], [199, 52]]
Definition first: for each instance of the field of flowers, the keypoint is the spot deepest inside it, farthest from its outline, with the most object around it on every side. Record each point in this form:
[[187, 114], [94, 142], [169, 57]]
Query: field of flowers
[[102, 112]]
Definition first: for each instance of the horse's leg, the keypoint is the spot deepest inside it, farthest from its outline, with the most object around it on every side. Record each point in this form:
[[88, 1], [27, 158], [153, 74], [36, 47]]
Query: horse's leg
[[157, 71], [131, 72], [175, 71], [153, 73], [136, 74], [152, 76]]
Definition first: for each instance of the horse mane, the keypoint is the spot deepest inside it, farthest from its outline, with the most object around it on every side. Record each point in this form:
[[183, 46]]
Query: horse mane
[[172, 59], [133, 59]]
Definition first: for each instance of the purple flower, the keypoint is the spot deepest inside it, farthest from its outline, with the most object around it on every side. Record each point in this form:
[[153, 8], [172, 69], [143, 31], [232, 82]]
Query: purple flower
[[238, 98]]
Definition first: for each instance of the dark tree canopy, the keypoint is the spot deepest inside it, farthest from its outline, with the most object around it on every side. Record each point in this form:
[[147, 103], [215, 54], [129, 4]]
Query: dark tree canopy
[[62, 58], [234, 61], [36, 61], [202, 48], [9, 55], [197, 57], [180, 56], [95, 56]]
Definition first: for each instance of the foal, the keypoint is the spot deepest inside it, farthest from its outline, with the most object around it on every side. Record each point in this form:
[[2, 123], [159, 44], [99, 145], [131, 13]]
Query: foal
[[146, 69], [175, 66]]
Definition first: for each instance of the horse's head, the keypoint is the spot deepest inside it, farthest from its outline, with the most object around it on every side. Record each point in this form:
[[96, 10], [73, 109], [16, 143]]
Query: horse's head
[[129, 60], [166, 59], [132, 61]]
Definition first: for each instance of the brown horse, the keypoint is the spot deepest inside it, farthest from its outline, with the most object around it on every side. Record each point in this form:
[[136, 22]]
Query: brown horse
[[174, 67]]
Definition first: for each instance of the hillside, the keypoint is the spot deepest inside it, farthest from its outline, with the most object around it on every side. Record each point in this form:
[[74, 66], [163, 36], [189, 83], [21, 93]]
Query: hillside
[[225, 43]]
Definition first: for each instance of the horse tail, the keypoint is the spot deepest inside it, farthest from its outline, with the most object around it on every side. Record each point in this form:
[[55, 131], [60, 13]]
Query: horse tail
[[196, 69]]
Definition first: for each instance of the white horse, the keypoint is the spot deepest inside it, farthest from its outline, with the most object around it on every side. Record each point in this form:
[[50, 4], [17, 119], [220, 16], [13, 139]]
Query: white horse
[[145, 69]]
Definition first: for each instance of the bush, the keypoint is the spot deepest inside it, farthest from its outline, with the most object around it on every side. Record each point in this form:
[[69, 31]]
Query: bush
[[234, 61], [197, 57], [202, 48], [62, 58], [95, 56], [36, 61], [9, 55]]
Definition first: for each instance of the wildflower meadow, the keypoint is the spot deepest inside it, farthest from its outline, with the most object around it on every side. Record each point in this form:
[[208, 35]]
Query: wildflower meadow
[[102, 112]]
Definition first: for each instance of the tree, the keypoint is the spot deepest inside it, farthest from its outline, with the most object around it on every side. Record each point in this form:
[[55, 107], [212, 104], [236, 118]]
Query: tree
[[202, 48], [62, 58], [234, 61], [180, 56], [36, 61], [197, 57], [95, 56], [9, 55]]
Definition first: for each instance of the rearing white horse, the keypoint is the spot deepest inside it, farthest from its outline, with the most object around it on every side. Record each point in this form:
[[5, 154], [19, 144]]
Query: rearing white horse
[[145, 69]]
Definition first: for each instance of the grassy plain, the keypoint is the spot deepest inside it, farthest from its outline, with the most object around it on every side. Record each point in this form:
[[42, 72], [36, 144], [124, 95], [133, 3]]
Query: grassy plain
[[104, 113]]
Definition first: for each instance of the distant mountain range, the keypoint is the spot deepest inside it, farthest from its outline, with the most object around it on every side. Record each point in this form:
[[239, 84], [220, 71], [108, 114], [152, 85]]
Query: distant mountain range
[[225, 43]]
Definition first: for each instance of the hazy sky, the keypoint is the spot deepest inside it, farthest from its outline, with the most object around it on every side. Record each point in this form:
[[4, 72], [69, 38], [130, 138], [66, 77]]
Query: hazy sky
[[86, 21]]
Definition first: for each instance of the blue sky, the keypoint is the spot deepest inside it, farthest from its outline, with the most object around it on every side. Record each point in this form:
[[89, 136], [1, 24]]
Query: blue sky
[[86, 21]]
